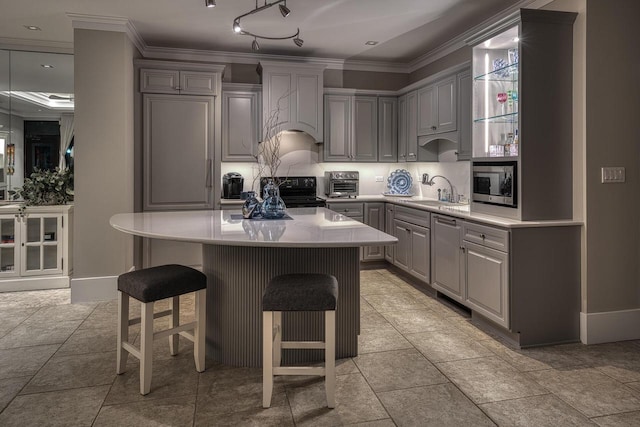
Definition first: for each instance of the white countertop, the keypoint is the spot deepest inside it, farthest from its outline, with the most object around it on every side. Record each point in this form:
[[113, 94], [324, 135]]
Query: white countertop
[[309, 227]]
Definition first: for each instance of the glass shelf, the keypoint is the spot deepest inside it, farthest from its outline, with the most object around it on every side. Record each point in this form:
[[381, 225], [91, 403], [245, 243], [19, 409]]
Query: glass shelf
[[504, 74], [502, 118]]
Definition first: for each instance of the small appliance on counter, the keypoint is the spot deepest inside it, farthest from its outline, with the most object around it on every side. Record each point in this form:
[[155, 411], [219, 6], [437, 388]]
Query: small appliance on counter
[[297, 191], [341, 184], [232, 184]]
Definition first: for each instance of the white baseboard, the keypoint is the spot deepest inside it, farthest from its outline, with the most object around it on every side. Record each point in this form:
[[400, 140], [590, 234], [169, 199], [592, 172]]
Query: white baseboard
[[609, 326], [34, 283], [91, 289]]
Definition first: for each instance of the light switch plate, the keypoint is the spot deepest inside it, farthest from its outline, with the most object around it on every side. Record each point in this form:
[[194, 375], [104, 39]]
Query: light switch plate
[[379, 178], [612, 175]]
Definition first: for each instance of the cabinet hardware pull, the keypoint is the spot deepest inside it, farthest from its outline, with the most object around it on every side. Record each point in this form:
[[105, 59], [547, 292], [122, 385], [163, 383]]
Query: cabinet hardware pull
[[433, 128], [462, 248], [412, 154], [446, 220], [208, 174], [483, 236]]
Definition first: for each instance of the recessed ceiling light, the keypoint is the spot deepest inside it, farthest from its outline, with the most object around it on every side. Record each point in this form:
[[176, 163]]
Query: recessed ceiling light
[[210, 3], [32, 28], [487, 43], [371, 43], [47, 66], [516, 39]]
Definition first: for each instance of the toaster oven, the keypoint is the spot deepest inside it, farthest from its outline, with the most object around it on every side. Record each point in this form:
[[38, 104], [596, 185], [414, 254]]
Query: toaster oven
[[341, 184]]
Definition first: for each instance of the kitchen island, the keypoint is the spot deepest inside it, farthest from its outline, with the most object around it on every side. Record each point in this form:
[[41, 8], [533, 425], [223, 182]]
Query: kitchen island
[[240, 256]]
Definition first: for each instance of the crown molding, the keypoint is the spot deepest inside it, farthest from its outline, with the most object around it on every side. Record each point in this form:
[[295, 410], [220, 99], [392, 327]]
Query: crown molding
[[108, 23], [36, 45]]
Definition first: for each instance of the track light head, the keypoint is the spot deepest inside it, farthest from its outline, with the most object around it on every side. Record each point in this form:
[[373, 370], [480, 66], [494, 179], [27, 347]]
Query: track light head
[[236, 26], [254, 45], [284, 10], [210, 3], [298, 41]]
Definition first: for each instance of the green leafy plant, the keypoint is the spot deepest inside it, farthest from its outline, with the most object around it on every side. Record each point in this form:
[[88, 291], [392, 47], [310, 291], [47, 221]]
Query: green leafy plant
[[46, 187]]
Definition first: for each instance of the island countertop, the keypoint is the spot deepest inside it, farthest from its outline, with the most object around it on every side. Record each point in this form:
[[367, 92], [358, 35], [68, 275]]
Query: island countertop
[[307, 228]]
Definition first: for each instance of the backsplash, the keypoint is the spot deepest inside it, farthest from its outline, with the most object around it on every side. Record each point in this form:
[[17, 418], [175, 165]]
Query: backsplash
[[301, 156]]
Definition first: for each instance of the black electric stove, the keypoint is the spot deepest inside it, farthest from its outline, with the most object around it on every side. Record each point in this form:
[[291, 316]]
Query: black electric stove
[[298, 191]]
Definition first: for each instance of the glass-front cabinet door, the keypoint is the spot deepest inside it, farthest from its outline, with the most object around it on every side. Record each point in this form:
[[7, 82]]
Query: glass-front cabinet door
[[41, 245], [496, 95], [9, 247]]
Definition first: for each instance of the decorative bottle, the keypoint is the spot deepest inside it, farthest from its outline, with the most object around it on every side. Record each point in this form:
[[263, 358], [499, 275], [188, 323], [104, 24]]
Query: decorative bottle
[[273, 206], [251, 206]]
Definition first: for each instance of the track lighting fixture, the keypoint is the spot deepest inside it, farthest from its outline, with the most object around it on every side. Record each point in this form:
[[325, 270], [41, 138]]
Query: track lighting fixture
[[284, 11], [210, 3]]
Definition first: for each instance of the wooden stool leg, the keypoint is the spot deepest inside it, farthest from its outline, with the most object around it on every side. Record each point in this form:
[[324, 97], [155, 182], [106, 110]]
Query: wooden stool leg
[[277, 340], [174, 321], [146, 347], [123, 331], [199, 331], [267, 358], [330, 357]]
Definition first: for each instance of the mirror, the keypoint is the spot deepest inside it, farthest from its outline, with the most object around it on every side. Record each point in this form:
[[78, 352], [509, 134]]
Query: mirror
[[36, 115]]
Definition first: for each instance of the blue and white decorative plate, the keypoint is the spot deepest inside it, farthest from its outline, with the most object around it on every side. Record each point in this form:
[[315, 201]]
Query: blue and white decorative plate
[[399, 182]]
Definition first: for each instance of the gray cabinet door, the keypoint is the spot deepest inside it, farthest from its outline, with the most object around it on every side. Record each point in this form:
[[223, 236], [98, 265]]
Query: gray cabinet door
[[178, 134], [487, 282], [159, 81], [412, 126], [402, 128], [446, 256], [240, 125], [388, 218], [365, 129], [308, 103], [420, 253], [464, 115], [387, 129], [446, 110], [374, 217], [337, 124], [198, 83], [427, 115], [402, 251]]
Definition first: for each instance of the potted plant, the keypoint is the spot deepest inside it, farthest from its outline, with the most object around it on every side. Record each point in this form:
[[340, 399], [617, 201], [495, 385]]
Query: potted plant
[[46, 187]]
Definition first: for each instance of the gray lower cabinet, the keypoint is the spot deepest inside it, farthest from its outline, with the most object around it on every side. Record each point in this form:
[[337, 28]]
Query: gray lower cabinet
[[446, 256], [388, 228], [420, 248], [387, 129], [402, 251], [374, 217], [412, 252], [241, 124]]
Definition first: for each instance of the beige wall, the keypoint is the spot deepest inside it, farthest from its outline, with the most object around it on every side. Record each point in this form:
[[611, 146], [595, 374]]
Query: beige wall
[[365, 80], [451, 60], [613, 139], [103, 151]]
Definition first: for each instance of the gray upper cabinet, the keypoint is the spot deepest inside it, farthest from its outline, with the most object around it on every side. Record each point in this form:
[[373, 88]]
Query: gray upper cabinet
[[178, 135], [407, 127], [387, 129], [351, 128], [178, 82], [437, 107], [464, 115], [241, 125], [295, 92]]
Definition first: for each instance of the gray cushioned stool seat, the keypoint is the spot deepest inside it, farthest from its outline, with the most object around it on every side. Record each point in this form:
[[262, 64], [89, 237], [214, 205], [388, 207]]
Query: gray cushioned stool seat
[[301, 292], [165, 281]]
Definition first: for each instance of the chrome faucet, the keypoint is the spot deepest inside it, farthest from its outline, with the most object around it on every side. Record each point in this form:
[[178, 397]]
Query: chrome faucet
[[427, 181]]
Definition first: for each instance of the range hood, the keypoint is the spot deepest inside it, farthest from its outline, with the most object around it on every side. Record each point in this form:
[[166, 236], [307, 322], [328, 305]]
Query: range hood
[[293, 92]]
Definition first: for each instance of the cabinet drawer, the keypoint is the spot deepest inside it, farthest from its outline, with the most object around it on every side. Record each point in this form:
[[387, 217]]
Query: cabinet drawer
[[348, 209], [487, 236], [413, 216]]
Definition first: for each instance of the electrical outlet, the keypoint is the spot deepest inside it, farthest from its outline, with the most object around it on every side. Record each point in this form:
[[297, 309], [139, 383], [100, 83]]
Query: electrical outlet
[[379, 178], [611, 175]]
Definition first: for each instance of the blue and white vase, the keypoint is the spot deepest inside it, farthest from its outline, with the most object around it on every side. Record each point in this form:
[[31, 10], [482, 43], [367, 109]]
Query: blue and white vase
[[273, 206], [251, 206]]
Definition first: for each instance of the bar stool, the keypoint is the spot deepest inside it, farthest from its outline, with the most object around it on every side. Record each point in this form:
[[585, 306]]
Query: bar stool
[[148, 286], [298, 292]]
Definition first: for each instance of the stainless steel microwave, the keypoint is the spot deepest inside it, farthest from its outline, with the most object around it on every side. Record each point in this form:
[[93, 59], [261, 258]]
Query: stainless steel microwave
[[495, 183]]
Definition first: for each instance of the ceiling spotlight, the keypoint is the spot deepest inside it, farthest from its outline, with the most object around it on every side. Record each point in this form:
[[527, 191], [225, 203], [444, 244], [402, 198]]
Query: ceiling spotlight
[[210, 3], [516, 39], [284, 10], [46, 66], [236, 26], [298, 41], [371, 43], [254, 45], [32, 28]]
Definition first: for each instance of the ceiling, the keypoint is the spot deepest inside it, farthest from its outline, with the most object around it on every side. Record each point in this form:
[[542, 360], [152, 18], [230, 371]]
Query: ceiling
[[337, 29]]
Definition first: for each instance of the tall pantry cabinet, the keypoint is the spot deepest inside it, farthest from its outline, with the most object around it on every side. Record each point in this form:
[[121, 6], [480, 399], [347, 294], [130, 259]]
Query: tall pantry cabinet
[[180, 111]]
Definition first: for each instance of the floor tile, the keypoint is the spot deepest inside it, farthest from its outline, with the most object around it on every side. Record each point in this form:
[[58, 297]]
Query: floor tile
[[355, 402], [12, 317], [372, 340], [620, 361], [393, 302], [588, 390], [67, 408], [378, 423], [627, 419], [74, 371], [379, 286], [466, 326], [373, 320], [539, 411], [35, 299], [175, 412], [275, 416], [438, 405], [365, 306], [489, 379], [90, 341], [39, 334], [9, 388], [532, 359], [57, 313], [22, 361], [414, 321], [395, 370], [447, 345]]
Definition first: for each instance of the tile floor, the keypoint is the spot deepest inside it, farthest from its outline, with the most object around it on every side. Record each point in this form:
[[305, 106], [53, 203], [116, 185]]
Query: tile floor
[[421, 363]]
